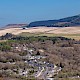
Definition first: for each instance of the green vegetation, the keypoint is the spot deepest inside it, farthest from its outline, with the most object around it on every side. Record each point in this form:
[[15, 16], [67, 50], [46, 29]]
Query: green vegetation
[[4, 46], [72, 36]]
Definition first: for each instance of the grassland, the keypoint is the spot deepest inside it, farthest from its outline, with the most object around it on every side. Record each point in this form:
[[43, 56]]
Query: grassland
[[72, 36], [69, 32]]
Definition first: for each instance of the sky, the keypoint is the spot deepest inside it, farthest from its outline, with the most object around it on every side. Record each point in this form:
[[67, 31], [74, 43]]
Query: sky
[[26, 11]]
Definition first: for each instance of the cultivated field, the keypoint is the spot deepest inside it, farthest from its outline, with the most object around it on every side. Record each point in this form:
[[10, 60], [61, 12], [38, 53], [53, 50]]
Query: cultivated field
[[70, 32]]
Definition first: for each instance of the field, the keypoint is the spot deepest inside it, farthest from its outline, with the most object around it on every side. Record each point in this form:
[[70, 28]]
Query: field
[[69, 32]]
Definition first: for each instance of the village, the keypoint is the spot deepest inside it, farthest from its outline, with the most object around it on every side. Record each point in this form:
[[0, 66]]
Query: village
[[37, 66], [35, 58]]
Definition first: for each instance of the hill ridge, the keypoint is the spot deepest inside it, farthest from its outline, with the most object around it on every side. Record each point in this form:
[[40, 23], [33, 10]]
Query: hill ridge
[[64, 22]]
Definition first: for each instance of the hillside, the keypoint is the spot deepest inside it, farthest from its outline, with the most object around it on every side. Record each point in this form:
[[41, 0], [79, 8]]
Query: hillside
[[15, 56], [64, 22]]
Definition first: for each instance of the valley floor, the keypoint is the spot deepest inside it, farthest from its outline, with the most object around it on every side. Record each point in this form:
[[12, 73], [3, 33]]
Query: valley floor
[[69, 32]]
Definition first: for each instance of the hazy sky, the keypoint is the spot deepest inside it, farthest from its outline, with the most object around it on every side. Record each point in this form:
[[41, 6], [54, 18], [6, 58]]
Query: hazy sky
[[25, 11]]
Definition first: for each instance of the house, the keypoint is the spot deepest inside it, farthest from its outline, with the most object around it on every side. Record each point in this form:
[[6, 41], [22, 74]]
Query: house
[[50, 79]]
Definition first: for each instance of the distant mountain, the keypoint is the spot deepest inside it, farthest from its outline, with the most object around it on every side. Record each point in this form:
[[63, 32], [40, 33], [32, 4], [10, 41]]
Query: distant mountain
[[64, 22], [14, 26]]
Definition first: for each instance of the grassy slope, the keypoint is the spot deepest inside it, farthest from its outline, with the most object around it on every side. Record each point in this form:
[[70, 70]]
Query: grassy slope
[[73, 36]]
